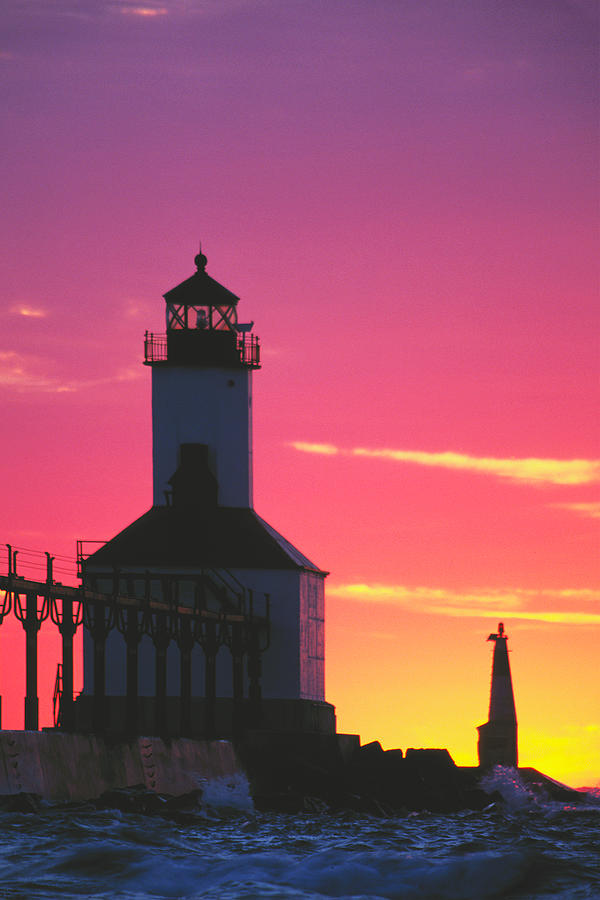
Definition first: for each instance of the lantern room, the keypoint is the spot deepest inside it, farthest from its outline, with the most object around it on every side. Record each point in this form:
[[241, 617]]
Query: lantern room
[[202, 327]]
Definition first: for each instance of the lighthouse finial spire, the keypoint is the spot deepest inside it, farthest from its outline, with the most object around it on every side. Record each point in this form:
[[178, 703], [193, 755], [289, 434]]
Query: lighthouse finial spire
[[200, 259]]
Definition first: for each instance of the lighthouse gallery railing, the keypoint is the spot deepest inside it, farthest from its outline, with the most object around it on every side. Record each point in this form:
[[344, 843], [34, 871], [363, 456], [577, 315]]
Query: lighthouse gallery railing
[[247, 345]]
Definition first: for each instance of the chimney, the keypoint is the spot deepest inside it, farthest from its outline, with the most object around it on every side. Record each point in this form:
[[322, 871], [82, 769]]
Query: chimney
[[194, 484]]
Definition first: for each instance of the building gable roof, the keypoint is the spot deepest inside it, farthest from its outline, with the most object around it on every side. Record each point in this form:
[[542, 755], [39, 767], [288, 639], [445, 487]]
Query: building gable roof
[[189, 538]]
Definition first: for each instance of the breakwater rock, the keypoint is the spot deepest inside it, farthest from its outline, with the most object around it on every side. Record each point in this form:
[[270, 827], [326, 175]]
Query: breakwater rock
[[334, 772], [295, 772], [276, 771]]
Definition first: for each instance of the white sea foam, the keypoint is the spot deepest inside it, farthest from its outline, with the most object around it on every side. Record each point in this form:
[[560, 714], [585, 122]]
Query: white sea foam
[[507, 782], [226, 792]]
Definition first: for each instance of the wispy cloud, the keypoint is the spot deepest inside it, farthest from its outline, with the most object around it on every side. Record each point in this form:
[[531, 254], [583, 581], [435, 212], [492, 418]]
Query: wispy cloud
[[323, 449], [147, 12], [17, 372], [531, 470], [150, 9], [590, 510], [133, 308], [567, 606], [29, 312]]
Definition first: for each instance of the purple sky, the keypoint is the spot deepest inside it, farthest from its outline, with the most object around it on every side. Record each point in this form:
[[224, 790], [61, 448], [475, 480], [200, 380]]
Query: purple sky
[[405, 196]]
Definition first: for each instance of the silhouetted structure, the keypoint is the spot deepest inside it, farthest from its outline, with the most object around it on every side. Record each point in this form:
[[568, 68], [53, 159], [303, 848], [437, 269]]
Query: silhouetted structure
[[251, 654], [100, 614], [497, 745]]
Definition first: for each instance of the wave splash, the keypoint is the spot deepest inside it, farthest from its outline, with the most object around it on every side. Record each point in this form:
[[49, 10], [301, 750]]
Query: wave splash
[[520, 797], [217, 847], [229, 792], [506, 781]]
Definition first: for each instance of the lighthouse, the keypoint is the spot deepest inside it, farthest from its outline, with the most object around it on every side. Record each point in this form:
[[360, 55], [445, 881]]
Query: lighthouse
[[202, 387], [255, 645], [497, 744]]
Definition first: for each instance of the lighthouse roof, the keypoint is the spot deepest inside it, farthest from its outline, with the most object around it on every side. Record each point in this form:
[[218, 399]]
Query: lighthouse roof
[[225, 537], [201, 290]]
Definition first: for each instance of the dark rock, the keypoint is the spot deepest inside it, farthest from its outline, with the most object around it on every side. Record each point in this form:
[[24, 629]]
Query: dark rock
[[285, 801], [394, 754], [21, 802], [291, 772], [140, 800], [185, 802], [374, 750]]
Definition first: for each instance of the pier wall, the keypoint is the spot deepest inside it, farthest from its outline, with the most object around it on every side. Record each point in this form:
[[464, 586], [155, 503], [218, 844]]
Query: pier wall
[[70, 768]]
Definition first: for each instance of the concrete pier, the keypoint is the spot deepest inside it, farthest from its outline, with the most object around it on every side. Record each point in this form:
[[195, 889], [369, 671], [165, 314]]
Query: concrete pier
[[71, 768]]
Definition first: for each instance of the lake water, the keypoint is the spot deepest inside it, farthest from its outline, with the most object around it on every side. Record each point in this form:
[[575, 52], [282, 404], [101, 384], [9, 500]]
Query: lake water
[[524, 848]]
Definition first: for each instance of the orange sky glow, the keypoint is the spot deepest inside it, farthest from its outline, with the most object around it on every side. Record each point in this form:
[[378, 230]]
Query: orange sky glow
[[404, 196]]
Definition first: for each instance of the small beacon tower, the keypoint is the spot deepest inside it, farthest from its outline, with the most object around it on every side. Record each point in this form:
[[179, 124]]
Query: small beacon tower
[[497, 745]]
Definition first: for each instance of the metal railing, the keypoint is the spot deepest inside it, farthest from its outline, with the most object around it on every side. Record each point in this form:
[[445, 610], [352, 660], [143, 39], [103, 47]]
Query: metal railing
[[155, 347], [85, 548], [58, 692], [223, 584], [37, 564], [247, 346], [236, 622], [249, 349]]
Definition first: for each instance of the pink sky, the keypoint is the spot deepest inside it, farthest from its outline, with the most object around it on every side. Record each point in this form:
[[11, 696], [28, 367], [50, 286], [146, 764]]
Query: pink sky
[[405, 196]]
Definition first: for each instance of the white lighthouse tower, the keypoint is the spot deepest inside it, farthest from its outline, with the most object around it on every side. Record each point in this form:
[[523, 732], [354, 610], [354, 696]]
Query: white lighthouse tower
[[202, 387], [203, 546]]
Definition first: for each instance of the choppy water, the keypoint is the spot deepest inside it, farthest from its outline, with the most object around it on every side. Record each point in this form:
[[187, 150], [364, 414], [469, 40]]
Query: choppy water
[[223, 849]]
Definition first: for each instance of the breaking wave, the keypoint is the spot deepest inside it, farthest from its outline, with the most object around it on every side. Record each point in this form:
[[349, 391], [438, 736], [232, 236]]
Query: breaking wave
[[220, 848], [507, 782], [231, 792], [517, 795]]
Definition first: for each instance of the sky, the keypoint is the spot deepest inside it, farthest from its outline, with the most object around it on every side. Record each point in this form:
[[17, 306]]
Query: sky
[[404, 193]]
